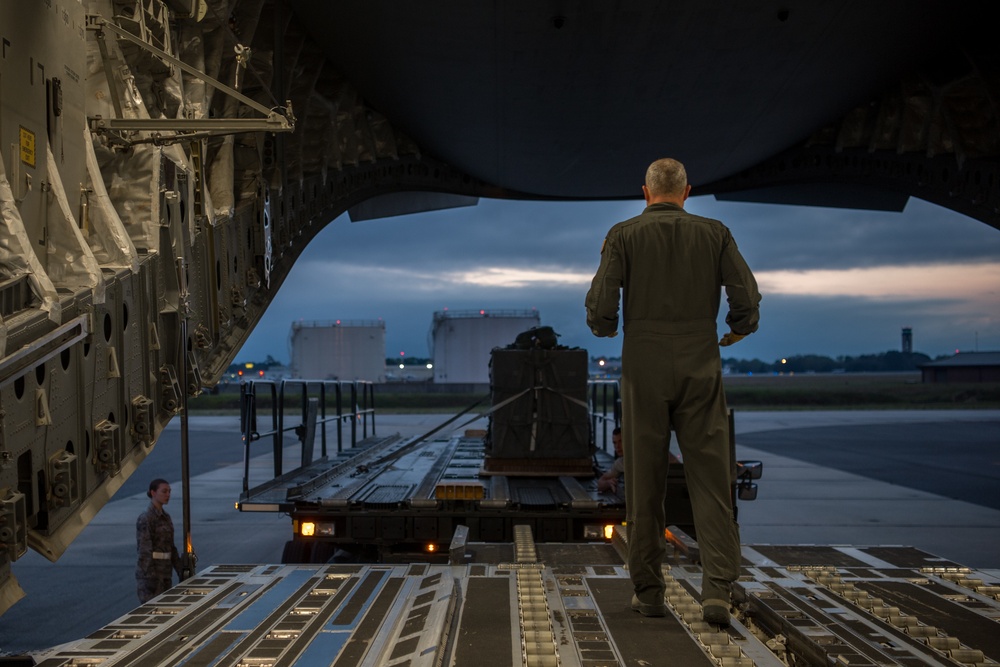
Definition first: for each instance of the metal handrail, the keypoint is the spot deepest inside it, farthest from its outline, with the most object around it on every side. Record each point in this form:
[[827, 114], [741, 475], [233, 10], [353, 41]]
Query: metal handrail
[[605, 395], [604, 402], [360, 409]]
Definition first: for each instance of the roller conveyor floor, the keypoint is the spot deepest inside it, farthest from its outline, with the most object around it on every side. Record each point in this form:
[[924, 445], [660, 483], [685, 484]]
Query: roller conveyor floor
[[551, 604]]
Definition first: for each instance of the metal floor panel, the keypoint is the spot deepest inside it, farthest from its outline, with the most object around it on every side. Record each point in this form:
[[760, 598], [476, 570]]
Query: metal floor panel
[[631, 632], [958, 615], [484, 637], [566, 605]]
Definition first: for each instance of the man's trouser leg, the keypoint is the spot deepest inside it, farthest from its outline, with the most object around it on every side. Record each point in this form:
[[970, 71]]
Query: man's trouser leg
[[702, 426], [646, 441]]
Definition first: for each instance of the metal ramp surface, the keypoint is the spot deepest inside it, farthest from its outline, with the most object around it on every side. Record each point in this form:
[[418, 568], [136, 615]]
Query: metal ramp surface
[[561, 605]]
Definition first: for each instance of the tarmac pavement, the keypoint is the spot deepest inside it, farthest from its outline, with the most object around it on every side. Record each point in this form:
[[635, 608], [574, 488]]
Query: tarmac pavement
[[819, 487]]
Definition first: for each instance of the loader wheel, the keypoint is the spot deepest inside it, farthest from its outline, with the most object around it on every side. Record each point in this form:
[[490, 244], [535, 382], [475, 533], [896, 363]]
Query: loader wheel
[[322, 552], [296, 552]]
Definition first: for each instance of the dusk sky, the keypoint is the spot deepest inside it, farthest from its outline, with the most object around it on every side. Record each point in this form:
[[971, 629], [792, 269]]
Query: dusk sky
[[834, 282]]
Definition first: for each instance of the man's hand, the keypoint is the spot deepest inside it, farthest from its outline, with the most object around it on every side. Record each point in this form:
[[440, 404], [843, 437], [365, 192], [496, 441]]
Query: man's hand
[[730, 338], [608, 484], [599, 335]]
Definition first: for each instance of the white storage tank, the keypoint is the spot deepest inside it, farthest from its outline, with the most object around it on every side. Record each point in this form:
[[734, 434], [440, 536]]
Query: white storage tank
[[338, 350], [463, 339]]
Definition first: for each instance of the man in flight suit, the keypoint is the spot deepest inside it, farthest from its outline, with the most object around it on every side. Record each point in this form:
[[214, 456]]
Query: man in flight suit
[[671, 266]]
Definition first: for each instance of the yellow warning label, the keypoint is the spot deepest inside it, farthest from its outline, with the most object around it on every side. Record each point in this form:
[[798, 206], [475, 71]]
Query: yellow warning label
[[27, 147]]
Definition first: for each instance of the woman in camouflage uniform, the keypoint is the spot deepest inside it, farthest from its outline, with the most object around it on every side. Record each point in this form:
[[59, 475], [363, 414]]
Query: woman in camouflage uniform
[[154, 536]]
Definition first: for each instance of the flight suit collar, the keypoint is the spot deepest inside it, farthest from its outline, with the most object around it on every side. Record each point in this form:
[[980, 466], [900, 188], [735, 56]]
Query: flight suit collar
[[663, 206]]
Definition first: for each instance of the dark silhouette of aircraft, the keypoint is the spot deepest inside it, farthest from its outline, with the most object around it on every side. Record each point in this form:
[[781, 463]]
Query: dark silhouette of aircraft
[[852, 104]]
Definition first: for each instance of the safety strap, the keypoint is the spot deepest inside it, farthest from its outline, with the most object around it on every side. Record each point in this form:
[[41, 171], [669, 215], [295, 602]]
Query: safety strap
[[403, 450], [583, 404]]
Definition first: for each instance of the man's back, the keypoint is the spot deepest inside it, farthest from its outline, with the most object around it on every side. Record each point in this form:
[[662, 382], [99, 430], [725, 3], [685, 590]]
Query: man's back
[[671, 265], [671, 268]]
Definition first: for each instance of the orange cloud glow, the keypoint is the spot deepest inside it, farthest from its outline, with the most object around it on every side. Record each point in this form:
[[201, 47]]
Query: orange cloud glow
[[970, 281]]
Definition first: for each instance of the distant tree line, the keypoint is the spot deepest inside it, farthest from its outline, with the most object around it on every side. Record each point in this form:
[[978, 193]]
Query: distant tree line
[[804, 363], [815, 363], [265, 365], [890, 361], [407, 361]]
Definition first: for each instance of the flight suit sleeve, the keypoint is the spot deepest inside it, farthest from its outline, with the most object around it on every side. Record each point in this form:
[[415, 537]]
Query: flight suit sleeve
[[604, 297], [741, 290]]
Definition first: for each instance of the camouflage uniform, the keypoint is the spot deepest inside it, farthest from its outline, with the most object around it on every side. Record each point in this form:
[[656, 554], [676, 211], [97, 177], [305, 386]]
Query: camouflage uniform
[[671, 266], [154, 536]]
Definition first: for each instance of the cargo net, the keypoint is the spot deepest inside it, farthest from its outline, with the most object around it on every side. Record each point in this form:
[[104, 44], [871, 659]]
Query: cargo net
[[539, 420]]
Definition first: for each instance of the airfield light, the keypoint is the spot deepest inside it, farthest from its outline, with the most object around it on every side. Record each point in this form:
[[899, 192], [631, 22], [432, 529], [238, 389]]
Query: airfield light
[[430, 547], [308, 528], [430, 366], [248, 365], [401, 366], [784, 361], [482, 312], [240, 372], [598, 531], [601, 362], [338, 322]]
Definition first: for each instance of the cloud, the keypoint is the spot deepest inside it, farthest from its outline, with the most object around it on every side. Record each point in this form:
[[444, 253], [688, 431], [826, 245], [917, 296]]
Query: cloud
[[512, 277], [839, 326], [835, 281], [494, 233], [809, 238], [978, 282]]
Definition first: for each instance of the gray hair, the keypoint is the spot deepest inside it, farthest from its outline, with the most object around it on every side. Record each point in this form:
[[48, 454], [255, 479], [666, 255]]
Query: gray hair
[[666, 176]]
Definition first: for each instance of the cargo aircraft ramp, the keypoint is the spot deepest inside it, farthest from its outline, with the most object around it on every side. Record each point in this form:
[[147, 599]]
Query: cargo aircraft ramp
[[497, 605]]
